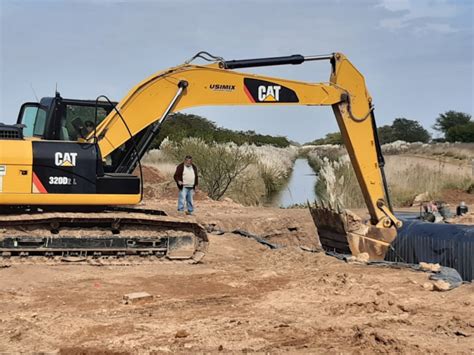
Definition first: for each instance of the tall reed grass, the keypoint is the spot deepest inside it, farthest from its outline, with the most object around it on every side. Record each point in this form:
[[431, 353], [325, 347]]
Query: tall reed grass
[[459, 151], [411, 169], [248, 174]]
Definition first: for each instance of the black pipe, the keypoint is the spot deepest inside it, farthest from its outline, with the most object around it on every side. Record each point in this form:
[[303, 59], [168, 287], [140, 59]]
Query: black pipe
[[263, 62], [450, 245]]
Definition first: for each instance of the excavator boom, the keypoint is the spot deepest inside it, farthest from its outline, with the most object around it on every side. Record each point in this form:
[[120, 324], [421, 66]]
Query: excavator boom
[[185, 86]]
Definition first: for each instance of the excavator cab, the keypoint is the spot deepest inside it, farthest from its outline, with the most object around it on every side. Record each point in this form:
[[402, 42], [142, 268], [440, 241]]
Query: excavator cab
[[60, 119], [57, 118], [49, 163]]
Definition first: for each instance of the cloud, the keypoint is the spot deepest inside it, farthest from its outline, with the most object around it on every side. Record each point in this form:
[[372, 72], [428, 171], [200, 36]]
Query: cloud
[[420, 16]]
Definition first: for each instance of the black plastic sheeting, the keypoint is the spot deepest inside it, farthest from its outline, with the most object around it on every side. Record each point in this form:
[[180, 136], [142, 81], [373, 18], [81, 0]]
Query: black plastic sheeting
[[261, 240], [450, 275], [450, 245]]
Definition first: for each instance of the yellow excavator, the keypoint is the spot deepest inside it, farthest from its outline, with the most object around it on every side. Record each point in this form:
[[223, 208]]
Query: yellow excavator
[[66, 166]]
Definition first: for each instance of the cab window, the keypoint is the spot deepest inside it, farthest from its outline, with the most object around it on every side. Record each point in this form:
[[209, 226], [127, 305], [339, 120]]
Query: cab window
[[79, 120]]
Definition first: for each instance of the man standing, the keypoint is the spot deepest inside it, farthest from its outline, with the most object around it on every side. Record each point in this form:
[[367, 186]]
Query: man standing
[[186, 177]]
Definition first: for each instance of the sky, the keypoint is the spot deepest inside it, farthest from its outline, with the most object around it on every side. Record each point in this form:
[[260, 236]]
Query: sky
[[416, 55]]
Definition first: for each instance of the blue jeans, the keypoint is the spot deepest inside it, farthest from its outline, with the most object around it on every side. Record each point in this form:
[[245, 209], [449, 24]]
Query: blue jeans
[[186, 194]]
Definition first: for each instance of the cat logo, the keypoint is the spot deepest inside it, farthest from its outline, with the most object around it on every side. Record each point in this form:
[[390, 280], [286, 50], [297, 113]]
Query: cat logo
[[269, 93], [65, 159], [262, 91]]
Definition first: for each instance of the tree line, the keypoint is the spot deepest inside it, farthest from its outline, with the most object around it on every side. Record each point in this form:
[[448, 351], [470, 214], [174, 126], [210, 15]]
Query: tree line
[[454, 127], [181, 125]]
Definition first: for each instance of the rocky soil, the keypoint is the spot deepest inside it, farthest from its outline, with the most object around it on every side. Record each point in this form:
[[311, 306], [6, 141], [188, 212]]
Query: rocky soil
[[243, 297]]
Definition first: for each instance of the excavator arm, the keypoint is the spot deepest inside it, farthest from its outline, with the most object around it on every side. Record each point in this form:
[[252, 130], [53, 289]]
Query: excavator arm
[[150, 102]]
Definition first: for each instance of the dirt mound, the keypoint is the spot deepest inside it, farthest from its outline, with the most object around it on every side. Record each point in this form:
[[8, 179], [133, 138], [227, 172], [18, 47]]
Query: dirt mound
[[464, 219], [367, 338], [154, 183], [151, 175], [282, 227], [454, 197]]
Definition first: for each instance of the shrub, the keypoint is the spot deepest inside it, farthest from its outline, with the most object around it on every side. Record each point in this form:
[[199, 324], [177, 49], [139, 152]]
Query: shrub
[[461, 133], [249, 189], [450, 119], [219, 165], [403, 129], [330, 138], [248, 174]]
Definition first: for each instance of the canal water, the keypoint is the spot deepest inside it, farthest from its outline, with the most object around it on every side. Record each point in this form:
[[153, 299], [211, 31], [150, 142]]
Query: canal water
[[300, 187]]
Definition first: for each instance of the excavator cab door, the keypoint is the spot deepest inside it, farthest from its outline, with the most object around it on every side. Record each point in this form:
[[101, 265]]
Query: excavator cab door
[[32, 116]]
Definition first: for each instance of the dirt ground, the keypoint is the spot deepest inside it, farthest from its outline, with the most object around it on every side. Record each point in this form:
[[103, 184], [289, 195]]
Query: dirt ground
[[243, 297]]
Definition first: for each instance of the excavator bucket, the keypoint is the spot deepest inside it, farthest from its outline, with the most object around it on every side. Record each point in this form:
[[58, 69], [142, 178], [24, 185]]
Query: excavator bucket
[[344, 232]]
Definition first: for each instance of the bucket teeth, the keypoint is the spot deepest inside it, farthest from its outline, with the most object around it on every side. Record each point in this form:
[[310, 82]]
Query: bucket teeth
[[344, 232], [331, 227]]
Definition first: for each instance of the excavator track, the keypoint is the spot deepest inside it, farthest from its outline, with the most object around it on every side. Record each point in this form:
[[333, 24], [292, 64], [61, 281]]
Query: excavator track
[[118, 237]]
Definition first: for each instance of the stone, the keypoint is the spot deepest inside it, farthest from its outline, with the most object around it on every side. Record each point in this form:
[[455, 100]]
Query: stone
[[363, 257], [269, 274], [428, 286], [403, 308], [430, 267], [441, 285], [137, 297], [181, 334]]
